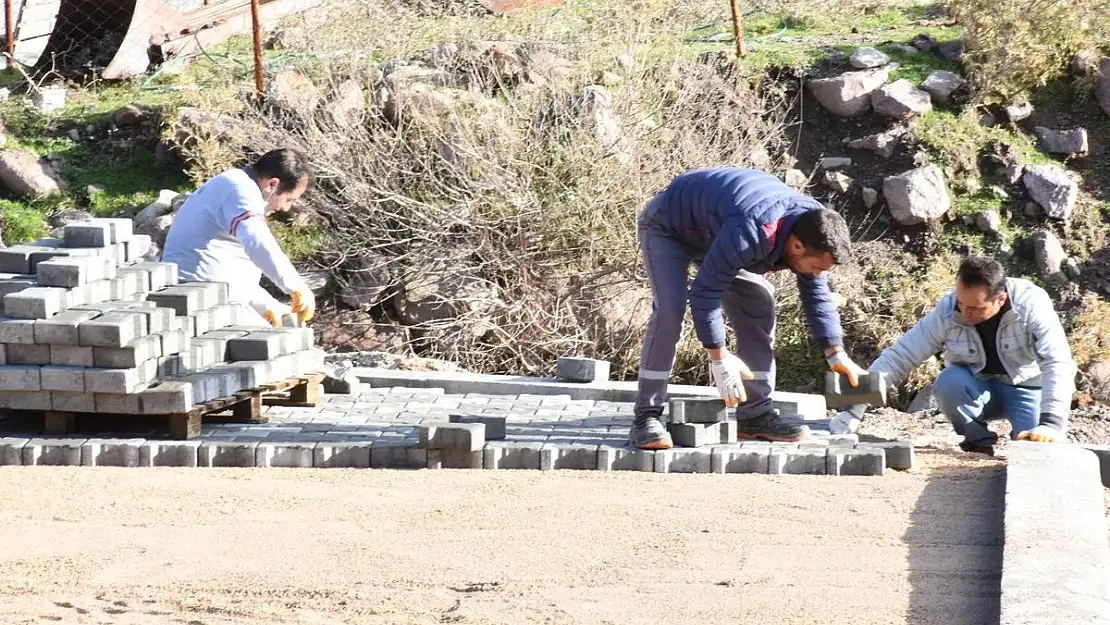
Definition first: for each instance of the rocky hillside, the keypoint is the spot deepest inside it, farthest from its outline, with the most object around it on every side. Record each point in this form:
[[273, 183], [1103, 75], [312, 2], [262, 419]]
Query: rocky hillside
[[480, 176]]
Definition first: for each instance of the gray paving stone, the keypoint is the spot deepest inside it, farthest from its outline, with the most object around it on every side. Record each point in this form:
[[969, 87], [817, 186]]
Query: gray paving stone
[[798, 461], [117, 403], [54, 452], [697, 410], [568, 456], [899, 454], [183, 301], [17, 331], [693, 434], [625, 459], [39, 302], [62, 329], [166, 397], [162, 275], [397, 454], [573, 369], [72, 401], [130, 380], [452, 436], [169, 453], [218, 454], [109, 452], [855, 462], [511, 455], [19, 354], [176, 342], [88, 234], [71, 379], [140, 350], [255, 346], [284, 455], [495, 425], [684, 461], [212, 294], [69, 272], [744, 458], [17, 259], [454, 459], [139, 277], [11, 451], [20, 378], [112, 329], [342, 455], [71, 356], [25, 400]]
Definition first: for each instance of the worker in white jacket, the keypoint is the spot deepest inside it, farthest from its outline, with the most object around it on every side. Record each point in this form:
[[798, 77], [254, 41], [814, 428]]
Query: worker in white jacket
[[220, 234]]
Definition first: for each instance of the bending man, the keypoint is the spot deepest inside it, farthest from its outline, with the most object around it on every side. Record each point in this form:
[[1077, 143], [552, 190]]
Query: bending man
[[737, 224], [220, 234], [1005, 355]]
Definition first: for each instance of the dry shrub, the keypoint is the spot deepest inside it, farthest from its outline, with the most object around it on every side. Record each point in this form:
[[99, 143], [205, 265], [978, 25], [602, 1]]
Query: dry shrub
[[1089, 331], [1017, 45]]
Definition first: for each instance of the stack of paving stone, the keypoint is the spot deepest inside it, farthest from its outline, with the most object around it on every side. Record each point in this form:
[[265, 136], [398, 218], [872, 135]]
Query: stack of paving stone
[[698, 422], [89, 327]]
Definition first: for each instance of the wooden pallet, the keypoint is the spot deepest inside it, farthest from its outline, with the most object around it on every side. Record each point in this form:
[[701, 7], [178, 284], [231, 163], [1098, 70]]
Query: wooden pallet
[[242, 407]]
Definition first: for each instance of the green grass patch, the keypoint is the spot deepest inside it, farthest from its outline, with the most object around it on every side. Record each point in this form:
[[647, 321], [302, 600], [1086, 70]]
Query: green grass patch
[[954, 137], [299, 243], [24, 222]]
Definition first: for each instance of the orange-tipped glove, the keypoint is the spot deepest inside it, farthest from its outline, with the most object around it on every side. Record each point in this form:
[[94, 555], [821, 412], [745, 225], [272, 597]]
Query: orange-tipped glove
[[275, 311], [304, 304], [1041, 434], [840, 363]]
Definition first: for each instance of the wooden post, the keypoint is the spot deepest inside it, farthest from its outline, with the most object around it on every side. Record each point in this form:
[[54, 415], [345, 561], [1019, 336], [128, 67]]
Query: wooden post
[[9, 32], [738, 28], [256, 25]]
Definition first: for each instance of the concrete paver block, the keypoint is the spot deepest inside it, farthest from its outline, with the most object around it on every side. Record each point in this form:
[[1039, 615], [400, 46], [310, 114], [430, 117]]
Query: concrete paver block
[[255, 346], [129, 380], [855, 461], [284, 455], [797, 461], [453, 459], [71, 379], [454, 436], [38, 302], [183, 301], [574, 369], [136, 247], [135, 277], [167, 397], [162, 275], [174, 341], [63, 401], [213, 293], [54, 452], [17, 331], [397, 454], [175, 364], [158, 320], [572, 456], [88, 234], [140, 350], [839, 393], [16, 259], [745, 458], [71, 356], [341, 455], [15, 285], [697, 410], [112, 329], [169, 453], [62, 329], [226, 454], [112, 452], [68, 272], [11, 451], [495, 425], [26, 400], [625, 459], [684, 461], [693, 434], [20, 378], [117, 403], [119, 229], [224, 315], [899, 454], [511, 455]]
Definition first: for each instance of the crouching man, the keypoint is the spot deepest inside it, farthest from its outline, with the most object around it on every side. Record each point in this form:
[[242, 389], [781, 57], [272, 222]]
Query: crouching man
[[220, 235], [1005, 356], [737, 224]]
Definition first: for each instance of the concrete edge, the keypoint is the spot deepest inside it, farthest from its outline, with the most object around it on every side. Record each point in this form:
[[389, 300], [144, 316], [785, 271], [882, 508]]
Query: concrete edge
[[1056, 557], [810, 406], [861, 459]]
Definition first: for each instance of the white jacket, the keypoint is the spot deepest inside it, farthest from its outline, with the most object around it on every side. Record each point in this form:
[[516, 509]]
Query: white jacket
[[220, 234], [1032, 347]]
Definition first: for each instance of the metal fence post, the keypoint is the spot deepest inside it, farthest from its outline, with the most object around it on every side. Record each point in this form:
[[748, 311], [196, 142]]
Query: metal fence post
[[738, 28], [257, 28]]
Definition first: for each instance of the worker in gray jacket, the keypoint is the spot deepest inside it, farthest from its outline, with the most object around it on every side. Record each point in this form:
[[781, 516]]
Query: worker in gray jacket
[[1005, 356]]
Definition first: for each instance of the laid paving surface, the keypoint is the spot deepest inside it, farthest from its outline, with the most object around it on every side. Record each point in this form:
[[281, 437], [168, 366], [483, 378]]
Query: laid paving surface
[[344, 546]]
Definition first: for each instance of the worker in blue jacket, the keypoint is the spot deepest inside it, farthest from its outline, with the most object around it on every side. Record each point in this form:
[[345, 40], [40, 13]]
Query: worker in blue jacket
[[737, 224]]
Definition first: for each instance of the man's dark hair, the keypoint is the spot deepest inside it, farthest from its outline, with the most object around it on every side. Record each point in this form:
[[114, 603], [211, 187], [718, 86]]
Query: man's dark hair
[[289, 166], [982, 271], [822, 231]]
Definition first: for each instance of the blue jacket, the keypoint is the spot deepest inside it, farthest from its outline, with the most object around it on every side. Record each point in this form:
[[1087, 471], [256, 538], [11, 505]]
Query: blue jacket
[[739, 219]]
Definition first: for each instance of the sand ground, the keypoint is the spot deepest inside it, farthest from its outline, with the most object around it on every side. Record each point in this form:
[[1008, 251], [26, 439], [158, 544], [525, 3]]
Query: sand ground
[[208, 547]]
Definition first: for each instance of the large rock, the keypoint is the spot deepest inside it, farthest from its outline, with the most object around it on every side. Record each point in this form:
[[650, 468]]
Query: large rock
[[917, 196], [447, 291], [901, 100], [293, 92], [28, 176], [1049, 255], [1102, 85], [156, 229], [369, 281], [868, 58], [1098, 380], [399, 77], [1069, 142], [940, 85], [849, 94], [1052, 189], [988, 221], [348, 103], [882, 144], [164, 205]]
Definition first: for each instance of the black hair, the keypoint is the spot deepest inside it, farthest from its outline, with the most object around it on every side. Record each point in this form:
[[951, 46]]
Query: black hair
[[824, 230], [982, 271], [289, 166]]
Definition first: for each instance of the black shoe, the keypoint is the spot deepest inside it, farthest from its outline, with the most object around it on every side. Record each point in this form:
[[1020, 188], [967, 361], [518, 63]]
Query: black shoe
[[978, 448], [770, 426]]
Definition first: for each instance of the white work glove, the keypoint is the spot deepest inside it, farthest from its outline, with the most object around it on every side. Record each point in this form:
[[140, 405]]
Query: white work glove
[[729, 374], [841, 363], [1042, 434], [844, 423]]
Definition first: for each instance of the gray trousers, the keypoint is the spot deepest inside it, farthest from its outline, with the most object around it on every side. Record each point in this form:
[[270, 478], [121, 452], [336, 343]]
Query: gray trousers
[[748, 305]]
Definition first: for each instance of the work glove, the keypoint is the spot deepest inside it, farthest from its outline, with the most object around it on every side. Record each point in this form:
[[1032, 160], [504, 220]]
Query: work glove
[[304, 304], [1041, 434], [844, 423], [274, 313], [840, 363], [729, 374]]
